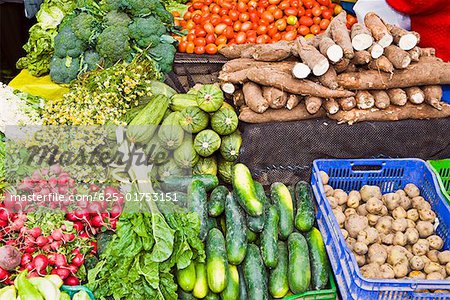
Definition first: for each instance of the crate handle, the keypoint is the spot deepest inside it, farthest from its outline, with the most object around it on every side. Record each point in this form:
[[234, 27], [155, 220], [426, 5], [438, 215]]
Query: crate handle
[[368, 166]]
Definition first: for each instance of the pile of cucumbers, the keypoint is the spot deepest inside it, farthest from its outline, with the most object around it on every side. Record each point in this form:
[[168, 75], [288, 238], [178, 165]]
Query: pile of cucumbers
[[201, 129], [257, 246]]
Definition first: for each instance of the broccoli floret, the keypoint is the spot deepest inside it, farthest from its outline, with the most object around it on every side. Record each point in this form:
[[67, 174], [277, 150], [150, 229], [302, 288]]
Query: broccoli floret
[[146, 31], [91, 60], [113, 44], [84, 26], [139, 8], [67, 44], [64, 70], [164, 54], [116, 18], [162, 13], [109, 5]]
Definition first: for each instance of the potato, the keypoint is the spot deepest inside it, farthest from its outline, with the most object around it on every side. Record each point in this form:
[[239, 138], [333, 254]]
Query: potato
[[391, 200], [387, 272], [387, 239], [425, 259], [374, 206], [447, 268], [417, 200], [416, 263], [421, 247], [399, 225], [340, 208], [373, 219], [412, 190], [412, 214], [417, 275], [405, 202], [371, 270], [333, 202], [399, 213], [444, 257], [397, 255], [361, 210], [360, 248], [384, 225], [433, 255], [412, 236], [427, 215], [340, 196], [350, 242], [324, 176], [399, 239], [433, 267], [355, 224], [377, 254], [371, 235], [340, 217], [425, 229], [435, 276], [328, 190], [423, 205], [436, 242], [360, 260], [401, 193], [344, 233], [370, 191], [408, 247], [401, 270], [384, 211], [411, 223], [353, 200], [349, 211]]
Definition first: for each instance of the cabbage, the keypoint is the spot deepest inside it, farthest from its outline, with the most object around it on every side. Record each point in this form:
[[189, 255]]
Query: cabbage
[[49, 17]]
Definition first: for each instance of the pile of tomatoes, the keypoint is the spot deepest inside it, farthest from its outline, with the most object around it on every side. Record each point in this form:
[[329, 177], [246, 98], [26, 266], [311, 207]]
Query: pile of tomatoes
[[211, 24]]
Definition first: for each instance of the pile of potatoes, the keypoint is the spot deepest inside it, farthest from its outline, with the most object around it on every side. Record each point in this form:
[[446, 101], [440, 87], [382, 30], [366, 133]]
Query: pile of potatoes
[[391, 235]]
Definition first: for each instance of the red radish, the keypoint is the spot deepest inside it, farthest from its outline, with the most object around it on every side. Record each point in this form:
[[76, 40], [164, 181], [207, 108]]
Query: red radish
[[71, 217], [110, 193], [32, 274], [17, 225], [40, 262], [82, 214], [75, 251], [84, 235], [69, 237], [55, 169], [71, 182], [63, 190], [3, 223], [8, 201], [36, 176], [97, 221], [26, 259], [30, 249], [60, 260], [4, 214], [116, 211], [73, 269], [57, 234], [41, 241], [62, 273], [35, 232], [95, 207], [78, 226], [78, 260], [94, 188], [50, 239], [3, 274], [94, 245], [51, 259], [47, 248], [52, 182], [11, 243], [113, 223], [71, 280], [29, 266], [55, 245]]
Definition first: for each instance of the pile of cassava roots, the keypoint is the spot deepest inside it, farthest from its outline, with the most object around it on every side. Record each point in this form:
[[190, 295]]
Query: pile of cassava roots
[[391, 235], [373, 72]]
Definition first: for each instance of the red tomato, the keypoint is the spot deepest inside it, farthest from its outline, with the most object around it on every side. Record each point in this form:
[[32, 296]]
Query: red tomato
[[327, 14], [307, 21], [241, 7], [308, 13], [240, 38], [295, 3], [278, 14], [254, 18], [223, 12], [246, 26], [262, 29], [283, 4], [303, 30], [215, 19], [272, 30], [208, 2], [274, 2], [291, 11], [276, 37], [301, 11], [220, 28], [190, 37], [244, 17], [182, 46], [199, 49], [200, 42], [263, 3], [187, 16], [226, 4], [234, 15], [229, 32], [197, 5], [308, 3], [237, 26], [191, 9], [268, 17], [190, 47], [316, 11], [290, 35], [227, 20], [190, 24], [211, 49], [209, 28], [205, 17], [317, 20], [215, 9], [324, 24], [200, 32], [221, 40], [315, 29], [324, 2], [281, 24], [272, 8], [210, 38]]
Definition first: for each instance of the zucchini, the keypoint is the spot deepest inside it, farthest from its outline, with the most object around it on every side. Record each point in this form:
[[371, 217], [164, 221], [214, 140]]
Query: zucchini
[[179, 102], [201, 283], [211, 296], [216, 203], [224, 121], [231, 144], [156, 154], [142, 128], [245, 189], [185, 156], [182, 183], [231, 292], [225, 170], [169, 169], [197, 203], [278, 280], [242, 285], [210, 97], [216, 261], [206, 165], [170, 132], [256, 224], [193, 119], [305, 217], [269, 238], [160, 88], [255, 274], [299, 271], [281, 197], [236, 236], [207, 142], [186, 277], [319, 259]]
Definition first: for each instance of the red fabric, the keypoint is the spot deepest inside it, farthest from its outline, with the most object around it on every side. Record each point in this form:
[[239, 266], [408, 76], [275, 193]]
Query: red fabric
[[430, 18]]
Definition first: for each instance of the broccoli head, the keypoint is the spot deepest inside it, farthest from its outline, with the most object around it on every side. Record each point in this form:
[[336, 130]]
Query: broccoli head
[[84, 26], [67, 44], [164, 54], [91, 60], [139, 8], [163, 14], [64, 70], [116, 18], [146, 31], [113, 44], [109, 5]]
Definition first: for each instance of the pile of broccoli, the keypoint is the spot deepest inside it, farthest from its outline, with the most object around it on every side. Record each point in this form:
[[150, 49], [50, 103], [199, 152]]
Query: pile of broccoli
[[104, 33]]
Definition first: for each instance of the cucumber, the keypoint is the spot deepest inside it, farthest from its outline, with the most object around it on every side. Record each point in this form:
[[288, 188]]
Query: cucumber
[[231, 144], [291, 189], [236, 236], [245, 189], [212, 223], [269, 238], [224, 121], [182, 295], [222, 224], [299, 270], [211, 296], [251, 236], [216, 203], [170, 132], [255, 274], [207, 142], [181, 183], [216, 261], [231, 292], [225, 169], [256, 224], [201, 283], [318, 258], [186, 277], [205, 165], [197, 202], [305, 217], [181, 101], [185, 156], [210, 97], [242, 285], [278, 280], [193, 119], [282, 198]]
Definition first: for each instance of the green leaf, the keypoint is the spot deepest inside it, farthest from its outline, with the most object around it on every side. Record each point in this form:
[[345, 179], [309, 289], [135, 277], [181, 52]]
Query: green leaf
[[164, 237]]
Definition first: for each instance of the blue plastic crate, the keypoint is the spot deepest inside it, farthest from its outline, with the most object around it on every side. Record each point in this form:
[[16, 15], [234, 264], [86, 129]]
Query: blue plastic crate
[[446, 93], [390, 175]]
